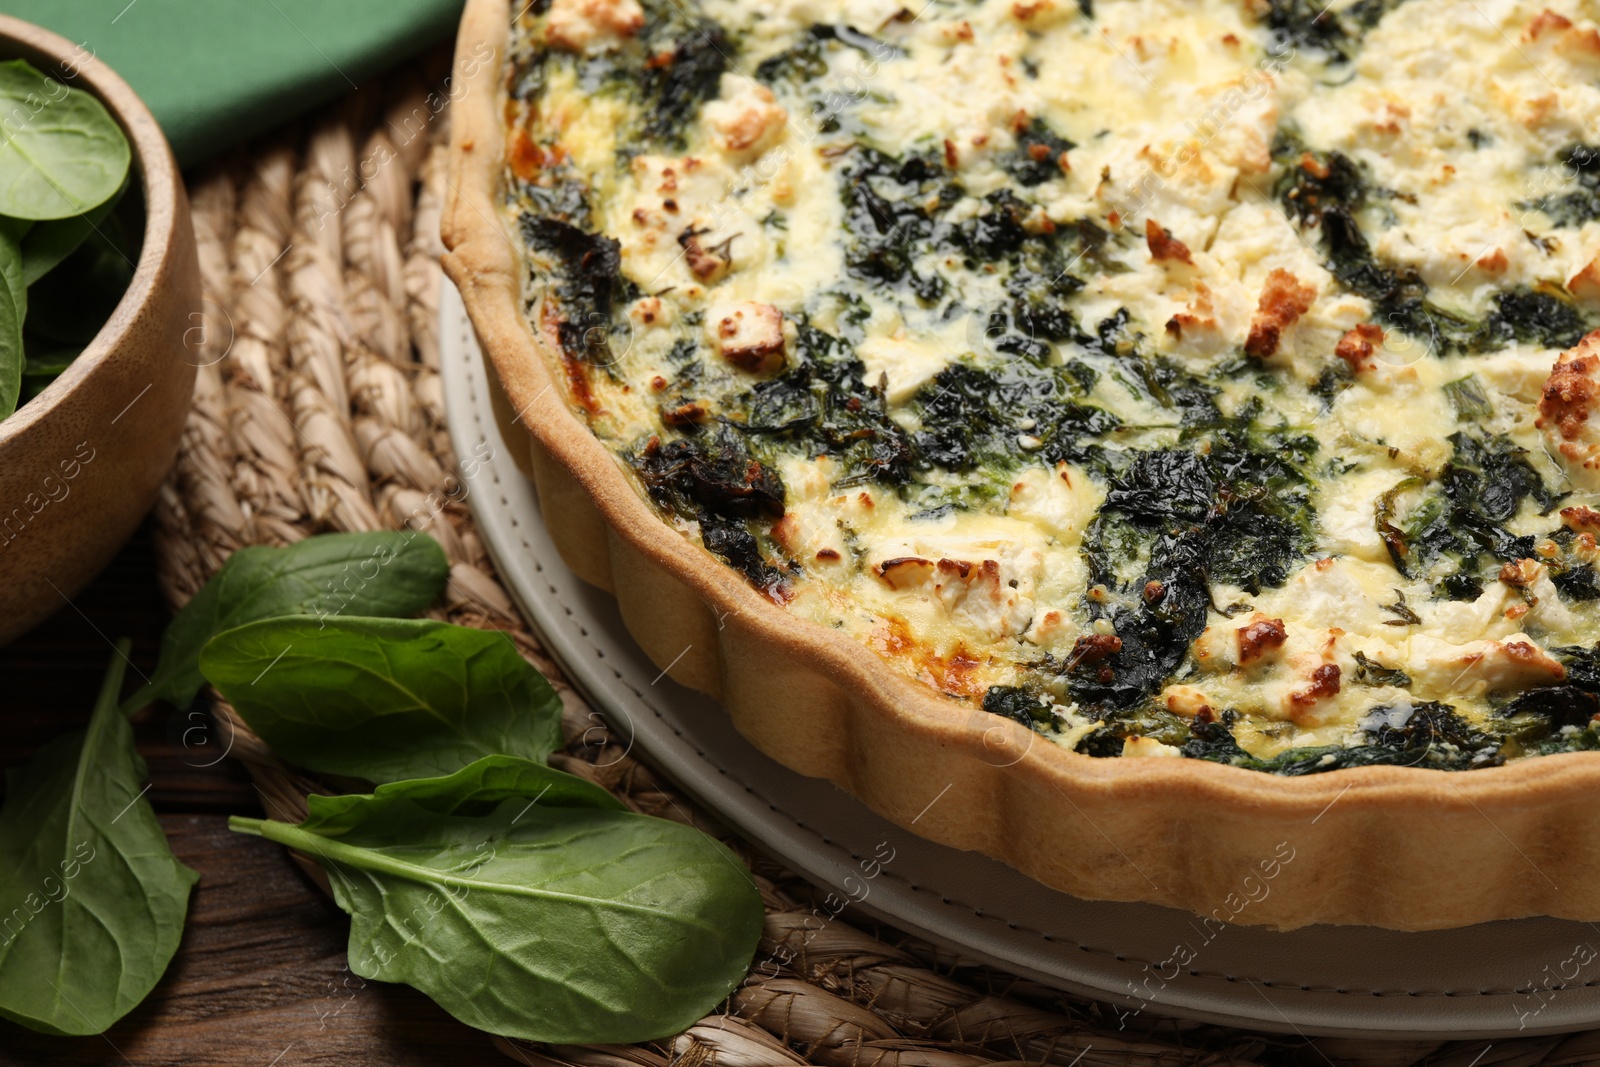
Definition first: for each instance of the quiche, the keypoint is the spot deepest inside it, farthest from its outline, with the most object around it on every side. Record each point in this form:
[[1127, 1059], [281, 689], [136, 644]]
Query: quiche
[[1002, 389]]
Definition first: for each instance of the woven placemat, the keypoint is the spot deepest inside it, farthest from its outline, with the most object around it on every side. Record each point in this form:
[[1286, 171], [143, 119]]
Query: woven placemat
[[319, 408]]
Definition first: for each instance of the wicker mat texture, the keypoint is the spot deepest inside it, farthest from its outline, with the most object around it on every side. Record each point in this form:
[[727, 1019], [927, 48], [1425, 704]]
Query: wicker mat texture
[[320, 409]]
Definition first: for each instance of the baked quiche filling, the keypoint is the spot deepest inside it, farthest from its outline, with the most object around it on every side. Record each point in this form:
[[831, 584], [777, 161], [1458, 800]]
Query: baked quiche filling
[[1203, 378]]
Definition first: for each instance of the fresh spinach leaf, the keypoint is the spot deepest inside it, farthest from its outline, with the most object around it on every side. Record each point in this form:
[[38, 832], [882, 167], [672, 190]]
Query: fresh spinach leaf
[[63, 155], [387, 572], [94, 901], [12, 233], [52, 311], [48, 363], [572, 925], [475, 789], [384, 699], [40, 367], [46, 244], [13, 299], [69, 305]]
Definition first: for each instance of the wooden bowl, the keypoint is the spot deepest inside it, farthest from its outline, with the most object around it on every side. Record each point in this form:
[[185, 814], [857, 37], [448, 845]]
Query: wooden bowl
[[81, 463]]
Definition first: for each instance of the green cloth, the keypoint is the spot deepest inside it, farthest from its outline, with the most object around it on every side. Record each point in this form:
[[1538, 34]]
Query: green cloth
[[217, 72]]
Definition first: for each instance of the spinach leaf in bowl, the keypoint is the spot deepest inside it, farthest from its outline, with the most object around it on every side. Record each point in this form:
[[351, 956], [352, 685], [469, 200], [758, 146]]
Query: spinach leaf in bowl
[[64, 166], [63, 153], [71, 302], [13, 303], [46, 244]]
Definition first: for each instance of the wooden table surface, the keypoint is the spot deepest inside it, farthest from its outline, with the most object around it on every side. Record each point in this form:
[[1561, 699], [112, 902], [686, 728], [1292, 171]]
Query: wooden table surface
[[260, 977]]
